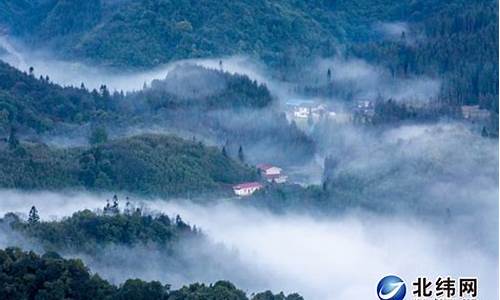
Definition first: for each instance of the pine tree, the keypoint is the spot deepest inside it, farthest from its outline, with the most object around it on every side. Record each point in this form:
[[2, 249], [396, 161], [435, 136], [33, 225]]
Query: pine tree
[[241, 155], [33, 217], [13, 141], [107, 207], [224, 151], [114, 208], [484, 132], [127, 210]]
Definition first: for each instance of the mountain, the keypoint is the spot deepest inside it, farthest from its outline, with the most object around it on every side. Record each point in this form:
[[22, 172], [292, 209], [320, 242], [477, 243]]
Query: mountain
[[453, 41], [148, 165], [90, 232], [38, 105], [27, 275], [285, 34], [229, 109], [150, 32]]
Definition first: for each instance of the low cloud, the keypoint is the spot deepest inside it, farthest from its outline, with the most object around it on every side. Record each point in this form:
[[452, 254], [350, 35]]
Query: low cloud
[[321, 258]]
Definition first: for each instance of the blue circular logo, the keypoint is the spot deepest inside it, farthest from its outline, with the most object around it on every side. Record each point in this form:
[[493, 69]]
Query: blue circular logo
[[391, 288]]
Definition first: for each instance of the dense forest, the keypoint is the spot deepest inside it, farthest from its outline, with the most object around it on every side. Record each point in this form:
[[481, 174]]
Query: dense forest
[[371, 109], [37, 104], [29, 276], [89, 232], [147, 165], [150, 32], [193, 87], [455, 41], [231, 110], [26, 275]]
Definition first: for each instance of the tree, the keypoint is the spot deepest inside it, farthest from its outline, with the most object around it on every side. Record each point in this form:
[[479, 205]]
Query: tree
[[329, 75], [224, 151], [107, 208], [13, 141], [128, 206], [484, 132], [31, 70], [241, 155], [98, 136], [114, 208], [33, 217], [4, 120]]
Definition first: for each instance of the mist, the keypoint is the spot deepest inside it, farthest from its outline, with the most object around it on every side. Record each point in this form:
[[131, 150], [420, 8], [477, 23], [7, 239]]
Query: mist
[[321, 258], [427, 202], [356, 78], [73, 73]]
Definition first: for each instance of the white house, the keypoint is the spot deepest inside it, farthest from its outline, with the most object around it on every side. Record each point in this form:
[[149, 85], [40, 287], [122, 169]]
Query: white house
[[474, 113], [246, 188], [272, 173]]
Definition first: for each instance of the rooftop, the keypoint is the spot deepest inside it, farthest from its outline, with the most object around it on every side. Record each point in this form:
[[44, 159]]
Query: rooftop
[[264, 166], [247, 185]]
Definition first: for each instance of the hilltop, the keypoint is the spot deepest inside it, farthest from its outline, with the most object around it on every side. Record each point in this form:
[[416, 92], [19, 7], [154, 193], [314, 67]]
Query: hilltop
[[148, 165]]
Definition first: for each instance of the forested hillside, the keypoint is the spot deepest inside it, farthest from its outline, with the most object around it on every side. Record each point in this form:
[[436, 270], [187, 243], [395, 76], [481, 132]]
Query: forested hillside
[[148, 165], [230, 109], [26, 275], [149, 32], [90, 232], [36, 104], [29, 276], [456, 43], [453, 41], [193, 88]]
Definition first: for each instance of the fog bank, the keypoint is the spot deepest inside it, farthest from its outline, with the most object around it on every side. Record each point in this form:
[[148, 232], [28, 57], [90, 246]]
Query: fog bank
[[334, 258]]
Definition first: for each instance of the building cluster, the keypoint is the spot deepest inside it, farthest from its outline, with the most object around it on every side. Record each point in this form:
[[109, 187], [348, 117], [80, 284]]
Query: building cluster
[[269, 174], [307, 112], [247, 188], [364, 111], [474, 113], [272, 173]]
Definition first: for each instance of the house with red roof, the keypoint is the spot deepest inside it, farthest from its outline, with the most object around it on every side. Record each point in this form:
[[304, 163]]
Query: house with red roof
[[272, 173], [247, 188]]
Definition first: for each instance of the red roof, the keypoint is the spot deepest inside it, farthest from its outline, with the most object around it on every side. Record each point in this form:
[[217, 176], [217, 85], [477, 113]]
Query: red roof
[[247, 185]]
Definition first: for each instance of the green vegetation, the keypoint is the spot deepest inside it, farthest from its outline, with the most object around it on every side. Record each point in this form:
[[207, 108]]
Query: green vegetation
[[147, 165], [88, 232], [35, 104], [26, 275], [191, 99], [455, 41], [190, 87], [150, 32]]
